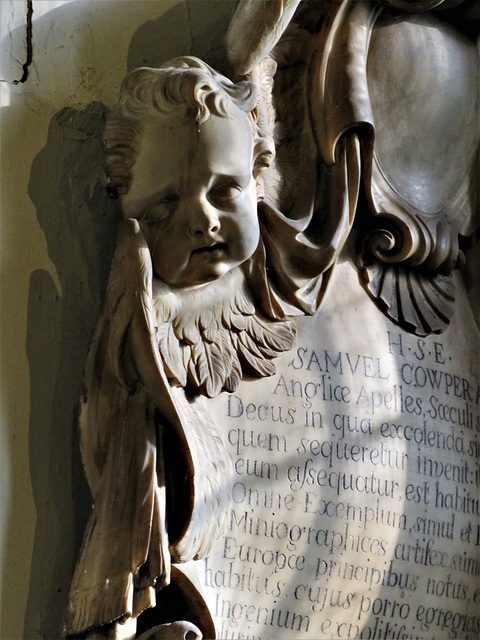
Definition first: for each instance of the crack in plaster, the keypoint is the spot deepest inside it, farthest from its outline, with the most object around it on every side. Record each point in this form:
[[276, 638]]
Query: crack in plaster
[[29, 45]]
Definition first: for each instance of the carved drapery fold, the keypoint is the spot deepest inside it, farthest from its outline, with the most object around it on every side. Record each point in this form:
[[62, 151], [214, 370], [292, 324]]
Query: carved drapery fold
[[420, 166], [418, 125]]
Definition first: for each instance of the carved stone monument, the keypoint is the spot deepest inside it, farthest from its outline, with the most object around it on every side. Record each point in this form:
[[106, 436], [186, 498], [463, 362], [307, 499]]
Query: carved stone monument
[[260, 467]]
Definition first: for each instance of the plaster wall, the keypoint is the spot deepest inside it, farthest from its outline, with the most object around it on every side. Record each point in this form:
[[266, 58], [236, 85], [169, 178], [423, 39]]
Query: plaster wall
[[57, 234]]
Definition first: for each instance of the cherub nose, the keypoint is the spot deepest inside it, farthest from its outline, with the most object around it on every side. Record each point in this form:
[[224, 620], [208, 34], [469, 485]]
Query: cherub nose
[[204, 221]]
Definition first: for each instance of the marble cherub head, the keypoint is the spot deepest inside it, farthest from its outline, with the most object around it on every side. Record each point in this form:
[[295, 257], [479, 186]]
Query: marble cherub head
[[184, 153]]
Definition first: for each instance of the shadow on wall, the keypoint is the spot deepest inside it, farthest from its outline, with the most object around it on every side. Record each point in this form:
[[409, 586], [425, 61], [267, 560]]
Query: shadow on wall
[[196, 27], [79, 221]]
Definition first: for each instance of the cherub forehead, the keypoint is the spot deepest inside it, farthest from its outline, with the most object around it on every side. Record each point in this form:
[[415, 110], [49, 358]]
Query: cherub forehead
[[185, 115], [178, 154]]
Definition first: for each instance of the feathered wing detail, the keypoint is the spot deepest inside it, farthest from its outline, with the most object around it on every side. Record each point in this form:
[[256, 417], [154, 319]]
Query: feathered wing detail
[[234, 369], [219, 336], [199, 346], [213, 367], [125, 549], [212, 476], [202, 499], [172, 355], [208, 366], [135, 412], [128, 412], [272, 338]]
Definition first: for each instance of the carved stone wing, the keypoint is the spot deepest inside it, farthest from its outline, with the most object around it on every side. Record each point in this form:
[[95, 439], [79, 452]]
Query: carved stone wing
[[131, 420], [211, 344], [255, 30]]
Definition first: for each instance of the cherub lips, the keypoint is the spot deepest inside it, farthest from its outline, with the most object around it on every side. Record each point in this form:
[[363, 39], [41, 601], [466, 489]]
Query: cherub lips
[[213, 249]]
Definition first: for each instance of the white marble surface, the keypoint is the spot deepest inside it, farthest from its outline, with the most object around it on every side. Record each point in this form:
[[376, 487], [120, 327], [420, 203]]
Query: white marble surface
[[355, 510]]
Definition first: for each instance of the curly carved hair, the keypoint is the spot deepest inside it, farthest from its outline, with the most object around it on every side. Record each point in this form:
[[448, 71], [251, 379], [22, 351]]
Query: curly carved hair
[[187, 86]]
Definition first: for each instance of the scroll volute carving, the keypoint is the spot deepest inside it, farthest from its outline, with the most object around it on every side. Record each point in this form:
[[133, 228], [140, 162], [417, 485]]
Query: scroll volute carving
[[405, 81], [422, 177], [206, 278]]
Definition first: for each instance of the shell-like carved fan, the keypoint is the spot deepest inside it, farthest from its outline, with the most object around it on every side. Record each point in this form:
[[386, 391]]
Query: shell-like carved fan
[[419, 301]]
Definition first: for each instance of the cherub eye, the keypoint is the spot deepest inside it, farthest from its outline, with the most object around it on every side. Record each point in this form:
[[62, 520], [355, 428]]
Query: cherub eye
[[160, 210], [226, 192]]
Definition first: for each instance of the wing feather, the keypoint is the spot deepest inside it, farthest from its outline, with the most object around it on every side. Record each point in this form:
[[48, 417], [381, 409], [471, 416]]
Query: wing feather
[[172, 355]]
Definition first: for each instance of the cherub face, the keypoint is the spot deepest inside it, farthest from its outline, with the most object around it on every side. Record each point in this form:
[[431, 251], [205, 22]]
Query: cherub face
[[194, 195]]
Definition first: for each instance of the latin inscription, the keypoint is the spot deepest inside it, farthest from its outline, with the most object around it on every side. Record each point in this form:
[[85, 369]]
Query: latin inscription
[[356, 499]]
